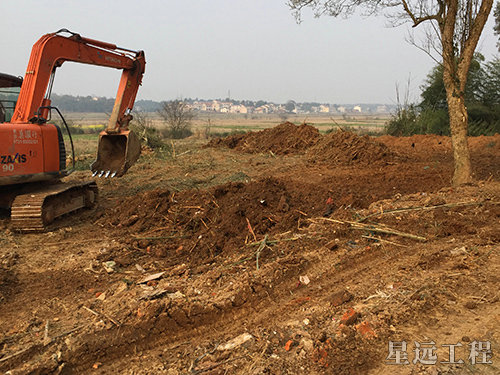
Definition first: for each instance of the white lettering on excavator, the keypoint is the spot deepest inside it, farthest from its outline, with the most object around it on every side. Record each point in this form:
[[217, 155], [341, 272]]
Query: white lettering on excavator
[[25, 137], [112, 59]]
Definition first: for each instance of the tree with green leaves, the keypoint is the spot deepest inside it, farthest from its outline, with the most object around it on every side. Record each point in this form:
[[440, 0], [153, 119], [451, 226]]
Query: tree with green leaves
[[453, 30]]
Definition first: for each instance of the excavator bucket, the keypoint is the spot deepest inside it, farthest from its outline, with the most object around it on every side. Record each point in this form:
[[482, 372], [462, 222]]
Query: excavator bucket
[[116, 153]]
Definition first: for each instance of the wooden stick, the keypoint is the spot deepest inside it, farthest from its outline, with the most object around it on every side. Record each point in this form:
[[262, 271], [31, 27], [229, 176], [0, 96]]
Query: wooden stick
[[382, 240], [91, 311], [4, 359], [424, 208], [196, 243], [263, 244], [251, 229], [46, 338], [116, 323], [16, 354]]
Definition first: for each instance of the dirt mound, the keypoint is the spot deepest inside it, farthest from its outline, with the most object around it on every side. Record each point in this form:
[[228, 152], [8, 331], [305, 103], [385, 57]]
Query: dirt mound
[[195, 226], [347, 148], [285, 138]]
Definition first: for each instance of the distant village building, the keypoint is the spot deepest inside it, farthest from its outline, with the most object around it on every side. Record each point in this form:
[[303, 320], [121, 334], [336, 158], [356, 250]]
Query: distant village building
[[239, 108], [381, 109], [236, 107]]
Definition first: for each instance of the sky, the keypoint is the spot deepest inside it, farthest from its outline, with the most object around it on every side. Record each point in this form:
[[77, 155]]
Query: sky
[[245, 49]]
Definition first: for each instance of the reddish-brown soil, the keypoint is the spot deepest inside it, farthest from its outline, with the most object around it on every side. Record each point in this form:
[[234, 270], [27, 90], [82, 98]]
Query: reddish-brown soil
[[343, 147], [265, 264], [283, 139]]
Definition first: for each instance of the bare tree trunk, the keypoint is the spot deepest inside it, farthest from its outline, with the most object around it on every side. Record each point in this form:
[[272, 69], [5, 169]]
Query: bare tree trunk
[[456, 66], [454, 80], [458, 126]]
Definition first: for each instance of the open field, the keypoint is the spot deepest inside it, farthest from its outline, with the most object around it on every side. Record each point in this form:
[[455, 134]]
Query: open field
[[227, 123], [263, 255]]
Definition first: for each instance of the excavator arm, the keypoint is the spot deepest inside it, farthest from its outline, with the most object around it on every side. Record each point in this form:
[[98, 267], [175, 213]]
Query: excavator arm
[[118, 147]]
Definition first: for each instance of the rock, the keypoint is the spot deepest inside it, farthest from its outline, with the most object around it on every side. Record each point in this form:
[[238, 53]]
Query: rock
[[101, 296], [307, 344], [283, 205], [176, 295], [471, 305], [366, 330], [341, 297], [458, 250], [350, 317], [304, 280]]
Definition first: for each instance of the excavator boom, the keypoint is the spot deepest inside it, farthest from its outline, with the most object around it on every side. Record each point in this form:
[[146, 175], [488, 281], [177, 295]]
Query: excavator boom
[[118, 148]]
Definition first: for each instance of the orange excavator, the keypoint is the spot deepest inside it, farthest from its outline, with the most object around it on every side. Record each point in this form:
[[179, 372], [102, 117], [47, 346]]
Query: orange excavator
[[32, 147]]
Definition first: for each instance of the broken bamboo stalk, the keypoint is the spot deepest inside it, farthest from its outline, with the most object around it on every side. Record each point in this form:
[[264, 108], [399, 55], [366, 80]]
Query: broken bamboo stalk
[[391, 231], [371, 228], [424, 208]]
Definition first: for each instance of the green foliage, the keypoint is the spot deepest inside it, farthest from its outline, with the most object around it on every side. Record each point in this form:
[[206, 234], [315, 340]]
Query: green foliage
[[433, 91], [403, 122], [482, 97], [497, 22], [434, 121], [490, 93]]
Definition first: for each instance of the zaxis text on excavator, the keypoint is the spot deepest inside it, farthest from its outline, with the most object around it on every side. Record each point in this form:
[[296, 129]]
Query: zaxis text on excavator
[[32, 149]]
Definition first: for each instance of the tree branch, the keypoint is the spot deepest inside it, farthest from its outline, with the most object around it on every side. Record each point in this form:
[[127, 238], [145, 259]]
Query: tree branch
[[417, 20]]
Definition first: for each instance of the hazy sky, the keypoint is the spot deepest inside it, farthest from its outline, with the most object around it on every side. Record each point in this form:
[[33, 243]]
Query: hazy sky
[[204, 48]]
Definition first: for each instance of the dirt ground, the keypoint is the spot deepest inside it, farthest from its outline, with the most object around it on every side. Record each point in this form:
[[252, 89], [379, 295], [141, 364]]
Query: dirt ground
[[279, 256]]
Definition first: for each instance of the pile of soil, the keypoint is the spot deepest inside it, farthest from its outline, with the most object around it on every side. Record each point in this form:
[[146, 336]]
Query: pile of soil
[[195, 226], [345, 148], [286, 138]]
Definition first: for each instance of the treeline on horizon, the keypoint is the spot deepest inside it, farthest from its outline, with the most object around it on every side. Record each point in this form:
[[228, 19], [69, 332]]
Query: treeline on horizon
[[92, 104]]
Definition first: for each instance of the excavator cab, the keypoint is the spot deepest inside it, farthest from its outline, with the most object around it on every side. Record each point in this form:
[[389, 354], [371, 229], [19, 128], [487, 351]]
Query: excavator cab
[[10, 86]]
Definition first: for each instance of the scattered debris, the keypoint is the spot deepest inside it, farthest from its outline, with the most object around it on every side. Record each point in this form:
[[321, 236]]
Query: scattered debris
[[237, 341], [304, 280], [109, 266], [152, 277]]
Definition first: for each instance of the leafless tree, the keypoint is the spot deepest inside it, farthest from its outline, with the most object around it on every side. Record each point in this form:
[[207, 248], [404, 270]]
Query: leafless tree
[[178, 116], [453, 31]]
